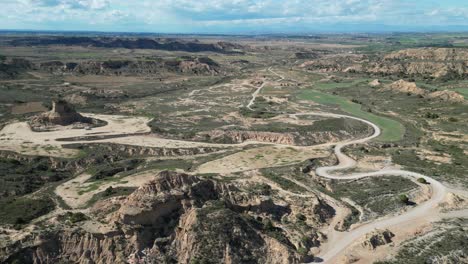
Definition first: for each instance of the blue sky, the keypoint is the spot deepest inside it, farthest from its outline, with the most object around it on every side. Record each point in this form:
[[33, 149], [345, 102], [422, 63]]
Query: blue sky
[[234, 16]]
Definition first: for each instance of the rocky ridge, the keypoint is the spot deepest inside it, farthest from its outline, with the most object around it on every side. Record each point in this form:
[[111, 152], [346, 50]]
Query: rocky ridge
[[175, 218], [188, 65], [131, 43]]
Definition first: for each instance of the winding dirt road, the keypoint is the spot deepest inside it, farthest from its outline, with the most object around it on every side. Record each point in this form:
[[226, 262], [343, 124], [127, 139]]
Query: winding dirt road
[[340, 242]]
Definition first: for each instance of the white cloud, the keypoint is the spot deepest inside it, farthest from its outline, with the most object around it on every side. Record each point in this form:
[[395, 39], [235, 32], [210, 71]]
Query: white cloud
[[182, 15], [94, 4]]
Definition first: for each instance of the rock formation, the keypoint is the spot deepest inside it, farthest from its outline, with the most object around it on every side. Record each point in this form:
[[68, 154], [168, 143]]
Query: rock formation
[[178, 218], [402, 86], [448, 96], [375, 83], [62, 114], [377, 238]]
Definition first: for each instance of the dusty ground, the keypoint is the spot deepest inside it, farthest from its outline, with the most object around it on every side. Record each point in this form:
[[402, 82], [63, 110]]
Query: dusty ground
[[261, 158]]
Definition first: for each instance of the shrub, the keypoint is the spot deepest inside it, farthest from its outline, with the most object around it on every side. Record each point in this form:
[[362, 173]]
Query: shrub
[[302, 251], [109, 191], [431, 115], [422, 180], [404, 198], [301, 217]]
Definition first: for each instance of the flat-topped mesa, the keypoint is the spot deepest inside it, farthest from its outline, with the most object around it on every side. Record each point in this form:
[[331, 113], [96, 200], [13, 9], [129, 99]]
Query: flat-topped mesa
[[63, 114]]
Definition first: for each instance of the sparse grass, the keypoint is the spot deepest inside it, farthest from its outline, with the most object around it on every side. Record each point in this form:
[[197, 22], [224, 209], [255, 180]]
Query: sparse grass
[[278, 177], [378, 195]]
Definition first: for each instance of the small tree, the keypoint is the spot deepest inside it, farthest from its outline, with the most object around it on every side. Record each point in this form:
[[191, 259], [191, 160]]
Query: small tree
[[422, 180], [404, 198], [109, 191]]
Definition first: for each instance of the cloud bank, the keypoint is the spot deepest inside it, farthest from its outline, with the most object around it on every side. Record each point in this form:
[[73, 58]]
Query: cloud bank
[[231, 16]]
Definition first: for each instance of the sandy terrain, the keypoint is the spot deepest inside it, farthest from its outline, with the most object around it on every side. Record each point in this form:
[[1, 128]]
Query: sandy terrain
[[20, 138]]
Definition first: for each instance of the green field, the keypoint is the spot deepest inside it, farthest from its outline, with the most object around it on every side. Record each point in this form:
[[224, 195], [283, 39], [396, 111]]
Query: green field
[[391, 129]]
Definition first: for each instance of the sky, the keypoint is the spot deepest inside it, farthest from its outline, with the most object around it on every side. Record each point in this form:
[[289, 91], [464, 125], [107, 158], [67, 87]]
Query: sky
[[235, 16]]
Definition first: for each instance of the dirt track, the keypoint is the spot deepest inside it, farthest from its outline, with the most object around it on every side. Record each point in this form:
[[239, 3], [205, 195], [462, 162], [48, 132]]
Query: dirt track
[[424, 210], [18, 137]]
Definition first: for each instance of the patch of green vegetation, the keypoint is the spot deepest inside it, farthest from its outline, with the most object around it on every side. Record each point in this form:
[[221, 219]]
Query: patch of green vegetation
[[72, 217], [21, 210], [391, 129]]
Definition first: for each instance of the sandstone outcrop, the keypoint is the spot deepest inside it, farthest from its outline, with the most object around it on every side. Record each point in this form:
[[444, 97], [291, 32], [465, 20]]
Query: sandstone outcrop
[[61, 114]]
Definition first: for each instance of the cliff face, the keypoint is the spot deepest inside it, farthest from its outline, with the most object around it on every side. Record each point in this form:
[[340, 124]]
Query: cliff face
[[427, 62], [175, 218]]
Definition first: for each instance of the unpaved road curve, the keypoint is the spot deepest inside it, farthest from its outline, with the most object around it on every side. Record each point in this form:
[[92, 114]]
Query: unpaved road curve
[[423, 210]]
